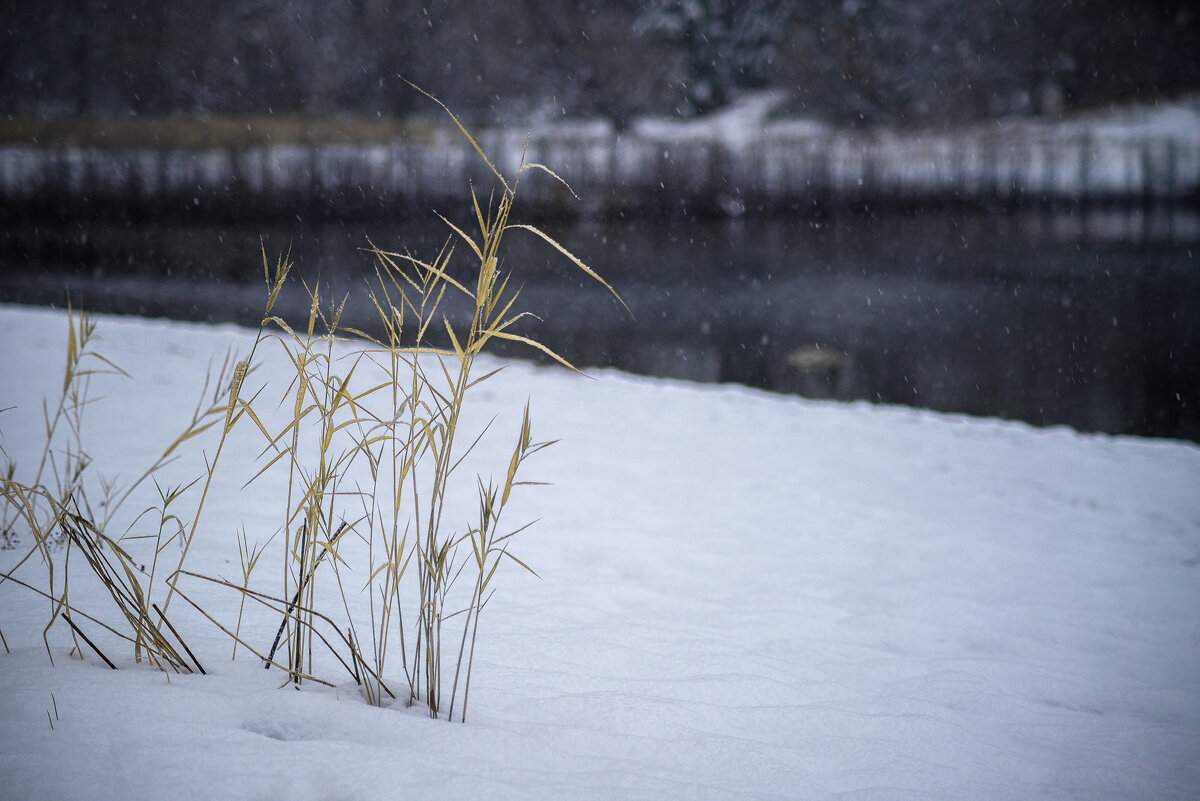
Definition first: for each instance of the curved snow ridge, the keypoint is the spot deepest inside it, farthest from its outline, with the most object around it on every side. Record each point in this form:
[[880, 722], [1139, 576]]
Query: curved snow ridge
[[737, 126]]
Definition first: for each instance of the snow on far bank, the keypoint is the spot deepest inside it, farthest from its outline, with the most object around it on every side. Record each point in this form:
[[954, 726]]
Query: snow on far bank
[[736, 126], [743, 595], [734, 161], [1178, 119]]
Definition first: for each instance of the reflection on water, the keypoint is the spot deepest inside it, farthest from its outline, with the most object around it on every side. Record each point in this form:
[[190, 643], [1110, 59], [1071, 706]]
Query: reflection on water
[[1083, 319]]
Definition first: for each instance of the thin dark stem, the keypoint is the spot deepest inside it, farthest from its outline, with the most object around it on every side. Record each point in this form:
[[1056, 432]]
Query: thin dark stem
[[195, 661], [99, 653], [296, 597]]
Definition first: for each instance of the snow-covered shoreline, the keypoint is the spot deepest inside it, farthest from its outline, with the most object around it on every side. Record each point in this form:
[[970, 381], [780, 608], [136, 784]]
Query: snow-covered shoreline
[[736, 161], [744, 595]]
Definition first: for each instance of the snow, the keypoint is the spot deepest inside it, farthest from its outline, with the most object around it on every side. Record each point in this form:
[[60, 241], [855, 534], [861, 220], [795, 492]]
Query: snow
[[737, 126], [735, 159], [743, 595]]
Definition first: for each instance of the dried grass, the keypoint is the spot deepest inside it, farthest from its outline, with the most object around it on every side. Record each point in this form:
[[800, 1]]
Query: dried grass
[[57, 508], [367, 441]]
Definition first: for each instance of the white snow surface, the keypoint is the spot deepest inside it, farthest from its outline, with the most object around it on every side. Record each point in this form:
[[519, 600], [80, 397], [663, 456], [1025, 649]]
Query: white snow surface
[[742, 596]]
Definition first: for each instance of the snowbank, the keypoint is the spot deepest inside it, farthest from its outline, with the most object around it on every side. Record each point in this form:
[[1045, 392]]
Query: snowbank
[[744, 596], [734, 161]]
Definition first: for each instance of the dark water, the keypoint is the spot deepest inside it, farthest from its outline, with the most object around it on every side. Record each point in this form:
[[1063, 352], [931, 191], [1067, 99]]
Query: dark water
[[1085, 319]]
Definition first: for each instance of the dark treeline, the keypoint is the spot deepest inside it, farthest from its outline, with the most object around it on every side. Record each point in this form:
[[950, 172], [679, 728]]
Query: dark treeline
[[913, 62]]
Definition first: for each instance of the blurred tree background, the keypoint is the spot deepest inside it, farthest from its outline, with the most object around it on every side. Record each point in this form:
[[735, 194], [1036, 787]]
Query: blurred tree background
[[914, 62]]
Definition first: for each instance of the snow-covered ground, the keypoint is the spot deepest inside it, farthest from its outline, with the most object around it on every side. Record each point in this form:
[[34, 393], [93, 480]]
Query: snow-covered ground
[[743, 595]]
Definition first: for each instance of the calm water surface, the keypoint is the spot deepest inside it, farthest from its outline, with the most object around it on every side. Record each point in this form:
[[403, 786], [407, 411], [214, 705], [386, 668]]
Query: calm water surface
[[1084, 319]]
